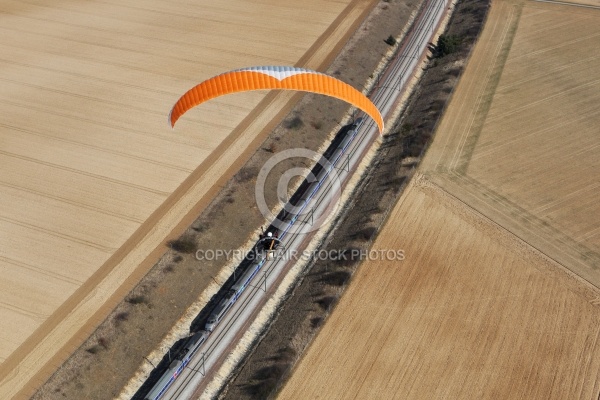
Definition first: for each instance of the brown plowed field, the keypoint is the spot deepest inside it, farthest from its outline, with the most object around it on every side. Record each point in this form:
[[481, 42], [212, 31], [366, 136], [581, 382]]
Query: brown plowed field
[[470, 313], [497, 296], [93, 180]]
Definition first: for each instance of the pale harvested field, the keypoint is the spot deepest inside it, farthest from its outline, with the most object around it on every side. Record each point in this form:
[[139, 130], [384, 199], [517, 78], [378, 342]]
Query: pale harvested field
[[93, 180], [521, 142], [498, 228], [593, 3]]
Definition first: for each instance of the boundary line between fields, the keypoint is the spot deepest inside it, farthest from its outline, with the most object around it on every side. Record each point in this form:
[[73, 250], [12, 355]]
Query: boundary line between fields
[[565, 3]]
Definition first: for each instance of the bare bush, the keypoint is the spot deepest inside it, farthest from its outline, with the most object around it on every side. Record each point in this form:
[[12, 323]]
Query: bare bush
[[141, 299], [326, 302], [287, 354], [293, 123], [316, 322], [102, 341], [93, 350], [390, 40], [336, 278], [246, 174], [351, 257], [185, 244], [200, 228], [365, 234], [122, 316], [317, 125]]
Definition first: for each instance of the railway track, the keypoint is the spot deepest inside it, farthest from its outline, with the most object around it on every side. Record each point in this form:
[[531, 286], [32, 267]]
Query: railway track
[[202, 368]]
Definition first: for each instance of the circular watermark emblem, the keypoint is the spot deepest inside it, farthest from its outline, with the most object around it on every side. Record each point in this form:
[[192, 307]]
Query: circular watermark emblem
[[312, 208]]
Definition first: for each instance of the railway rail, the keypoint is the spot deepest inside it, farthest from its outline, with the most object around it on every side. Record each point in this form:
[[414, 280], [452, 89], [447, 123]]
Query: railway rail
[[204, 351]]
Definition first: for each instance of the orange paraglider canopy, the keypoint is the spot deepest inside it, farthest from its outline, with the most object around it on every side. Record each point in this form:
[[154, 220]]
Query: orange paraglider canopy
[[273, 77]]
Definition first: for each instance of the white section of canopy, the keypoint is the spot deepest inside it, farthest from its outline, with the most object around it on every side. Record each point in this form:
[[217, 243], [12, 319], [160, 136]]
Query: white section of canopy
[[279, 72]]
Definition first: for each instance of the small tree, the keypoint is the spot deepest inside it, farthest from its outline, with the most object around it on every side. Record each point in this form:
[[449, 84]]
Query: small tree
[[447, 44]]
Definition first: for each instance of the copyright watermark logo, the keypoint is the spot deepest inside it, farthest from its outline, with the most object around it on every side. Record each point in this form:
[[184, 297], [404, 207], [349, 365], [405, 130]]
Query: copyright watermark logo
[[306, 255], [312, 208]]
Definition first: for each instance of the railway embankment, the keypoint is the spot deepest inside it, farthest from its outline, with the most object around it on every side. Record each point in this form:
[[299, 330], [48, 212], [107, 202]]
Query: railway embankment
[[268, 366]]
